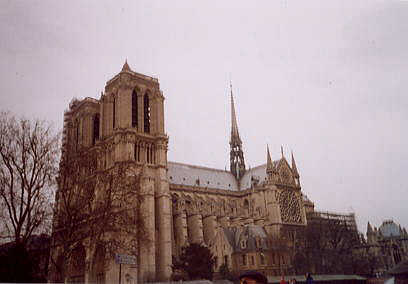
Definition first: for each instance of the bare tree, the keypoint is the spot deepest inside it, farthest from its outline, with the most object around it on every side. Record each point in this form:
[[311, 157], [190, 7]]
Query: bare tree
[[328, 245], [97, 205], [28, 166]]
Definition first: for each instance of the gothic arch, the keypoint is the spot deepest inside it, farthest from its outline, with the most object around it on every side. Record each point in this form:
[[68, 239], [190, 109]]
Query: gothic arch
[[147, 111], [200, 202], [189, 204]]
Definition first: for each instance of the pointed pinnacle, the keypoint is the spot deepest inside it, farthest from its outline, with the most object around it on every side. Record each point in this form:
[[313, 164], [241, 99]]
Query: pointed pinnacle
[[294, 168], [126, 66], [269, 165], [282, 151], [369, 229]]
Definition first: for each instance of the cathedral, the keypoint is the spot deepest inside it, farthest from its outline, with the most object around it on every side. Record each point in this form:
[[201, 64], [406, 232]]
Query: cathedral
[[238, 214]]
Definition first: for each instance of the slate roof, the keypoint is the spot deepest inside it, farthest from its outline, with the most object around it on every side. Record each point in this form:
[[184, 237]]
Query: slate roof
[[389, 229], [259, 172], [248, 233], [190, 175]]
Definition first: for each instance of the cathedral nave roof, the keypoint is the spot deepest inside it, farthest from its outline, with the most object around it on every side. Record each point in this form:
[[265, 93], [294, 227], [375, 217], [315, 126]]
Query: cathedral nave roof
[[191, 175]]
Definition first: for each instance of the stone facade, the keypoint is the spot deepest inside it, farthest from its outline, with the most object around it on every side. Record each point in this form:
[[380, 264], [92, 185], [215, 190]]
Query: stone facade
[[236, 213], [388, 244]]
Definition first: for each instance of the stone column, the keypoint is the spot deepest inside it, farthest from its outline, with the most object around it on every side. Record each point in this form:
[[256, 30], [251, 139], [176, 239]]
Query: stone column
[[195, 228], [209, 228], [180, 230], [147, 252], [164, 215], [163, 227]]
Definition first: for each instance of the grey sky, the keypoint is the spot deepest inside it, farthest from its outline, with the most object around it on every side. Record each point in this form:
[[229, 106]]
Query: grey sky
[[324, 78]]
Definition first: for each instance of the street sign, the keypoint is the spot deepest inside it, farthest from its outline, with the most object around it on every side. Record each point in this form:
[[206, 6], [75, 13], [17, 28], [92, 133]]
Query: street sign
[[125, 259]]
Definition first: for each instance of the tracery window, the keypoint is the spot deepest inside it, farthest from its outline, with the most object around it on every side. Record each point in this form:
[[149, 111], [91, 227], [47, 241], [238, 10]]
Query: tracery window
[[146, 112], [289, 207]]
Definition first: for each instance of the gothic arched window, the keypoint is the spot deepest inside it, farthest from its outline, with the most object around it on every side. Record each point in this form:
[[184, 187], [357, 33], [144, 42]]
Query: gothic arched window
[[146, 110], [134, 109], [95, 128], [262, 258]]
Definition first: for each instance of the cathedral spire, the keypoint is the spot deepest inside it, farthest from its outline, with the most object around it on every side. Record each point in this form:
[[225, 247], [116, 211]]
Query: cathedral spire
[[234, 124], [237, 163]]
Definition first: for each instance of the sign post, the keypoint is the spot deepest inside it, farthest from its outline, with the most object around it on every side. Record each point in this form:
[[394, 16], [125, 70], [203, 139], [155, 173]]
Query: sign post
[[124, 259]]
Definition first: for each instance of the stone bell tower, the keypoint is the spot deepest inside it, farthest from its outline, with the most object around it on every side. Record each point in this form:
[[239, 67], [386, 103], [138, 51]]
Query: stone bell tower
[[132, 119]]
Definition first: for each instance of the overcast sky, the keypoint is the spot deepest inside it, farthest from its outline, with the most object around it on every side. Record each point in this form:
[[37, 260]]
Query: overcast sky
[[322, 78]]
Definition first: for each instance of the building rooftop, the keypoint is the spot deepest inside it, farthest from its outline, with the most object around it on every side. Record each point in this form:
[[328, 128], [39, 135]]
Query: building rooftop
[[389, 229], [190, 175]]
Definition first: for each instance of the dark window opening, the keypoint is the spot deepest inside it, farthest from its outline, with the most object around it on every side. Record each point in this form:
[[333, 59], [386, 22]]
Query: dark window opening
[[150, 154], [146, 108], [134, 109], [95, 128], [136, 152]]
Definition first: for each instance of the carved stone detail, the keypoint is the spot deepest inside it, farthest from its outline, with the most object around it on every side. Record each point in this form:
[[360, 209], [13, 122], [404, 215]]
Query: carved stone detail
[[289, 204]]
